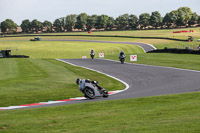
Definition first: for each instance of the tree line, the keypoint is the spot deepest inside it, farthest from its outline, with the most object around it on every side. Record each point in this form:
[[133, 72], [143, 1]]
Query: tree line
[[183, 17]]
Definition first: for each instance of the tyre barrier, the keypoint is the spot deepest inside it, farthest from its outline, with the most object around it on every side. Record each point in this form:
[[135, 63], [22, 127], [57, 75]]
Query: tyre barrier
[[175, 50]]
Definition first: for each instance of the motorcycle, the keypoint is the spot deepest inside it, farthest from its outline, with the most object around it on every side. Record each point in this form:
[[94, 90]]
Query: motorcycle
[[122, 58], [91, 89], [92, 55]]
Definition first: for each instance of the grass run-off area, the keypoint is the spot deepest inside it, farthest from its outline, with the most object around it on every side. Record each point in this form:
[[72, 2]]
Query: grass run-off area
[[24, 81], [160, 114], [42, 78]]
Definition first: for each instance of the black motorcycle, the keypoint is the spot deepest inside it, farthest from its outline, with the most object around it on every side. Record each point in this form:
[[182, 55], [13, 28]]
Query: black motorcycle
[[122, 58], [92, 55]]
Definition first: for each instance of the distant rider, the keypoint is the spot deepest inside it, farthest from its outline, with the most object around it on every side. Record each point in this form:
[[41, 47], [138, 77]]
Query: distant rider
[[121, 54], [92, 53]]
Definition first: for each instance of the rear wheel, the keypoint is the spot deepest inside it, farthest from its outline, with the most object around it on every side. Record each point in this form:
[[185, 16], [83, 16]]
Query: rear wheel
[[122, 61], [92, 56], [89, 93]]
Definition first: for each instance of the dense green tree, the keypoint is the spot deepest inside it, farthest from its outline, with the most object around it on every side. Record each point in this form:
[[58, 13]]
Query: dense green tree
[[47, 25], [70, 22], [81, 21], [26, 26], [57, 25], [91, 22], [144, 20], [36, 26], [199, 20], [133, 21], [173, 17], [111, 23], [155, 19], [63, 24], [102, 21], [8, 26], [167, 20], [122, 22], [194, 19], [184, 16]]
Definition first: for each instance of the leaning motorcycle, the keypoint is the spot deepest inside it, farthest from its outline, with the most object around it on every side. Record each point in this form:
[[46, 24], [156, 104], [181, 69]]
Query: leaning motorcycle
[[122, 59], [91, 89]]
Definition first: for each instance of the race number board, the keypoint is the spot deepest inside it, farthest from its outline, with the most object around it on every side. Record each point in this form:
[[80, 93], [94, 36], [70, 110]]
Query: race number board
[[133, 57], [101, 55]]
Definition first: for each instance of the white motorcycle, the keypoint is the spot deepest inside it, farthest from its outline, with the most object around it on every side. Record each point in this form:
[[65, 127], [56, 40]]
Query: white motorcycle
[[91, 89]]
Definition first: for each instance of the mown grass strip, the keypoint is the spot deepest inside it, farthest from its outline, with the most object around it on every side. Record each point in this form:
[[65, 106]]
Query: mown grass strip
[[172, 113]]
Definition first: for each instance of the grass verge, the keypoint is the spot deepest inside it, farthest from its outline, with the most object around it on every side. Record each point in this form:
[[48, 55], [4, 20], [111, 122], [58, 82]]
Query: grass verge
[[171, 113], [63, 49], [185, 61]]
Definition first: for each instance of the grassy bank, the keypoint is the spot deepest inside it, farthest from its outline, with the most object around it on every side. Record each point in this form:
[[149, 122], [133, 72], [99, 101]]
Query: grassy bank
[[186, 61], [171, 113], [59, 49]]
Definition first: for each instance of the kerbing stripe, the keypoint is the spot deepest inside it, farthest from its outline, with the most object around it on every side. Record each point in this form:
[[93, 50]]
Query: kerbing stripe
[[52, 102], [33, 104]]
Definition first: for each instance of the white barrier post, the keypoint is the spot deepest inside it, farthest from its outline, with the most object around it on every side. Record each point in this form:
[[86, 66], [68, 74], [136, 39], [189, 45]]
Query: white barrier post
[[84, 57]]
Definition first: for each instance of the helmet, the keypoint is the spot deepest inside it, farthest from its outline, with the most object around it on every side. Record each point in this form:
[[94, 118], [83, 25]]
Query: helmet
[[122, 51], [77, 81]]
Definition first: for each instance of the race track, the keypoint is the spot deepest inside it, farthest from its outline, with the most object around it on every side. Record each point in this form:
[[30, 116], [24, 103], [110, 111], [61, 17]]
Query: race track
[[143, 80]]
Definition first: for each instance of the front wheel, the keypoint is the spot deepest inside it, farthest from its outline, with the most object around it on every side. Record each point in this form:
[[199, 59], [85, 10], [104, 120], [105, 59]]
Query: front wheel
[[122, 61], [89, 93], [105, 93]]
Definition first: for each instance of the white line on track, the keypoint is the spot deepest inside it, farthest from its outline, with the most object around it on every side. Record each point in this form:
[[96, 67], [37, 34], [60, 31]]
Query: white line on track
[[155, 66], [117, 91]]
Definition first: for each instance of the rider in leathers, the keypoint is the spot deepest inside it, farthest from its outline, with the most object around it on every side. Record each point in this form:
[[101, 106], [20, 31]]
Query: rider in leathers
[[121, 54], [81, 83]]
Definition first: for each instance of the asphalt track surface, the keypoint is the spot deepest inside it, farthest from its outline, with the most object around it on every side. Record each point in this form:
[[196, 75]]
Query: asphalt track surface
[[143, 80]]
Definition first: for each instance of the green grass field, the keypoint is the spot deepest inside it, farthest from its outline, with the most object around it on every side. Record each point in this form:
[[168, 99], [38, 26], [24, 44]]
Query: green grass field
[[161, 114], [59, 49], [42, 78]]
